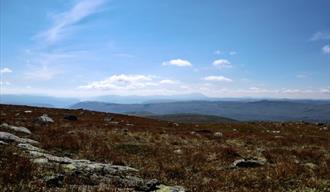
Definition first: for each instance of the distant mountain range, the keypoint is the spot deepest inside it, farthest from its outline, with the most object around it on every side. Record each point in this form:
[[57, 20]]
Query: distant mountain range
[[263, 110], [63, 102], [242, 109], [36, 100]]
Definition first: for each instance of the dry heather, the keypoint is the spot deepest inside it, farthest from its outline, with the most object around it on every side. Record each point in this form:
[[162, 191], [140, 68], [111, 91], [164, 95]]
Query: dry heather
[[297, 154]]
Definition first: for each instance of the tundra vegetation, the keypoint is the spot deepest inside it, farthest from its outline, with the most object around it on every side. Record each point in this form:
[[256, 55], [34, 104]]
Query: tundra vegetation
[[230, 156]]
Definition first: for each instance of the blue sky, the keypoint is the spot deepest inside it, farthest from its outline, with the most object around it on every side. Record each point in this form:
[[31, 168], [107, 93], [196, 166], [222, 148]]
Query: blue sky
[[220, 48]]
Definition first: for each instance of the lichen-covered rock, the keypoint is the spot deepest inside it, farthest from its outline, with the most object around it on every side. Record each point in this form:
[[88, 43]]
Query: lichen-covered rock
[[178, 151], [44, 119], [29, 147], [311, 166], [108, 118], [40, 161], [52, 158], [14, 128], [54, 180], [91, 173], [164, 188], [11, 137], [148, 186], [247, 163], [217, 134]]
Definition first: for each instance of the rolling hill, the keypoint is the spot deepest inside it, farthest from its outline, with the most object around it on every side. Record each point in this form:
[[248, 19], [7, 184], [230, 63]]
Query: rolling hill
[[263, 110], [192, 118]]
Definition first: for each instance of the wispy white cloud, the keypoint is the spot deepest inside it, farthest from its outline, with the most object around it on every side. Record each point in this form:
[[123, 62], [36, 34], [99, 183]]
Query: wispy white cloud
[[321, 35], [217, 78], [326, 49], [122, 81], [301, 76], [135, 84], [5, 70], [217, 52], [232, 53], [4, 83], [64, 21], [44, 66], [178, 63], [295, 91], [221, 63], [168, 81], [325, 90], [41, 73]]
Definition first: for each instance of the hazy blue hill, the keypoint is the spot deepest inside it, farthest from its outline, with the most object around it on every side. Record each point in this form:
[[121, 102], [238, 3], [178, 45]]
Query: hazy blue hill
[[36, 100], [133, 99], [276, 110], [192, 118]]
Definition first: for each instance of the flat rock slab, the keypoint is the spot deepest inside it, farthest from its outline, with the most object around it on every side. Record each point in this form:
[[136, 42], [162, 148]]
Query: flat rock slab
[[29, 147], [247, 163], [14, 128], [11, 137]]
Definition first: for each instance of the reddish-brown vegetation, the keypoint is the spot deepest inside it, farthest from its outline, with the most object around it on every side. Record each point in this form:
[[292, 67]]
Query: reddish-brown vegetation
[[185, 154]]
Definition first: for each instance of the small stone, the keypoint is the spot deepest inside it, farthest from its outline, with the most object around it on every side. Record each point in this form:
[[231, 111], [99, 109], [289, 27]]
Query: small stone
[[44, 119], [114, 123], [28, 111], [164, 188], [311, 166], [71, 117], [218, 134], [148, 186], [178, 151], [276, 132], [54, 180], [247, 163], [70, 167], [108, 118], [324, 129], [40, 160]]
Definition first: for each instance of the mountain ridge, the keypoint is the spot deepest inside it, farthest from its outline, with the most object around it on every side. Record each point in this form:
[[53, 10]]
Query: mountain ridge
[[243, 111]]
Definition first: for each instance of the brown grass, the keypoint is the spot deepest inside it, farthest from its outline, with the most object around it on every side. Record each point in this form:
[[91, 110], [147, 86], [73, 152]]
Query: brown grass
[[202, 164]]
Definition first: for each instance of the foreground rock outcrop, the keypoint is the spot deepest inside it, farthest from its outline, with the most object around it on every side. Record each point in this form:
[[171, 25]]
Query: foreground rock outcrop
[[14, 128], [94, 172], [11, 137]]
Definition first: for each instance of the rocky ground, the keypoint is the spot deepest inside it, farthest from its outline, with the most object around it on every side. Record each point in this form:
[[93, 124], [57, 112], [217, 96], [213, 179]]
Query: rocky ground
[[46, 149]]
